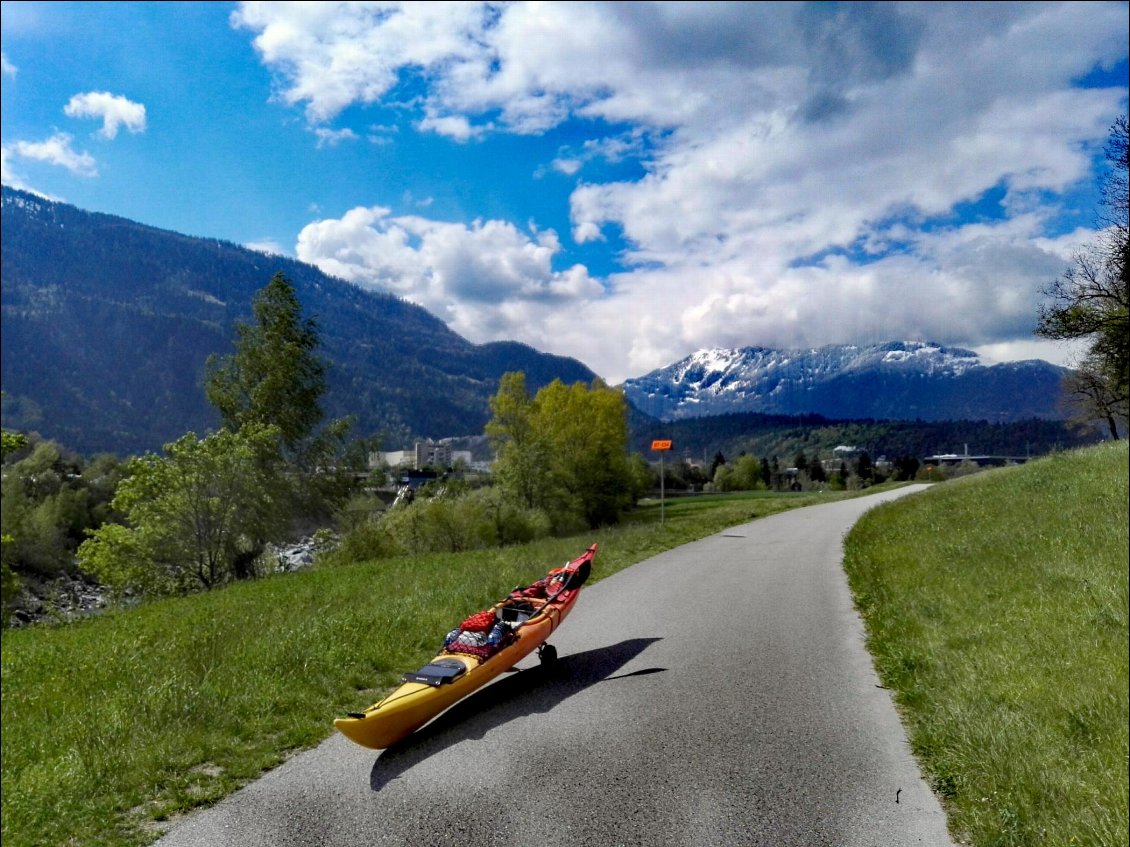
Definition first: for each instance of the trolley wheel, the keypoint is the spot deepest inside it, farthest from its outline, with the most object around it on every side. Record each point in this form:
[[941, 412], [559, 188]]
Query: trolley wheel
[[547, 653]]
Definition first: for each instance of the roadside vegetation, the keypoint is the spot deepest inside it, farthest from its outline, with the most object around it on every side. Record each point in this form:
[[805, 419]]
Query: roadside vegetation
[[996, 610], [115, 724]]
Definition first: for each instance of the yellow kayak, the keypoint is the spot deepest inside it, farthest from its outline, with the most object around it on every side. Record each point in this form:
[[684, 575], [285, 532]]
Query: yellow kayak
[[518, 625]]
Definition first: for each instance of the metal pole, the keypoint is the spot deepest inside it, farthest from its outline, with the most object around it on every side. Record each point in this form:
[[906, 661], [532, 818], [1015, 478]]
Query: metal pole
[[662, 501]]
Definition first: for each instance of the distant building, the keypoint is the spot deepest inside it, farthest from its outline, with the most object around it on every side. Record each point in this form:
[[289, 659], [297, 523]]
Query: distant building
[[981, 461], [426, 454], [430, 454], [392, 458]]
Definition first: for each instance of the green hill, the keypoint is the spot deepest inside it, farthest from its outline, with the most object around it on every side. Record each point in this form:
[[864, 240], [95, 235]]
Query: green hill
[[996, 609]]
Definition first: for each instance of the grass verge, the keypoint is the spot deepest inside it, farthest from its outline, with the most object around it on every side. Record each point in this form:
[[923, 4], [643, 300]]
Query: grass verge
[[115, 725], [996, 610]]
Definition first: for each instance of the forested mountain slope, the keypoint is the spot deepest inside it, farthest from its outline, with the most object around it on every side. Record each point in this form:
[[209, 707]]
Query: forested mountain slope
[[107, 324]]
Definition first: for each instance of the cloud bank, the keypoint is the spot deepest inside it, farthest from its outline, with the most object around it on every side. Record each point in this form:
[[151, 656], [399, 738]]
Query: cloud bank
[[812, 173]]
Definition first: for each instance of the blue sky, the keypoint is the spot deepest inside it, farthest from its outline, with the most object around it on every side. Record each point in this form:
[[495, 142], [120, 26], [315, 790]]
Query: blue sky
[[621, 183]]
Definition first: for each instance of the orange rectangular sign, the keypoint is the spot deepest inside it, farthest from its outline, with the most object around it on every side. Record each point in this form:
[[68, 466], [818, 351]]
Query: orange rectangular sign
[[661, 445]]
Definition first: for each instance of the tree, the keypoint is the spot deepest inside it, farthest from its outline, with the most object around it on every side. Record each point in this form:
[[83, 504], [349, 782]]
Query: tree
[[863, 467], [586, 428], [747, 473], [1090, 301], [766, 472], [565, 450], [274, 378], [194, 517], [717, 461], [724, 478], [12, 441], [801, 462], [48, 501], [906, 468], [1089, 390], [521, 455]]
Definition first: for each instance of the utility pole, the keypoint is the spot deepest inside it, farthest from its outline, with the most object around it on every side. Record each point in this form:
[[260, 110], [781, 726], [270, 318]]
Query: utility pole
[[661, 447]]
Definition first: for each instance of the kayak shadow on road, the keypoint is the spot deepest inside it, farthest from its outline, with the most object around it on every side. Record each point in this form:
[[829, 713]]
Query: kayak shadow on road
[[526, 692]]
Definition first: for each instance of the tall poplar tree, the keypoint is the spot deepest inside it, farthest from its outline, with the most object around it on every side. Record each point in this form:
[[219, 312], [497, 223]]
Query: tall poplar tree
[[274, 377]]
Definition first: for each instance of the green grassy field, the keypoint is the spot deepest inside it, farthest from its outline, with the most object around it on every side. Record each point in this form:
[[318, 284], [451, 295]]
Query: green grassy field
[[996, 608], [114, 725]]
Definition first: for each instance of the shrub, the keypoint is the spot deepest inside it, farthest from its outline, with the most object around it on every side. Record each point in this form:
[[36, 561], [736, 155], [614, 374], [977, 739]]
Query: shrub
[[442, 523]]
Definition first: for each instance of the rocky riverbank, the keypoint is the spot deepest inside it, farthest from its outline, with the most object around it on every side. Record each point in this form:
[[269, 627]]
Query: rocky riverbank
[[70, 597]]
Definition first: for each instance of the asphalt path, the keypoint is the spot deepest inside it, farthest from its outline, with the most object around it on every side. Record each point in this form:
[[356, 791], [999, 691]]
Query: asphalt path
[[717, 694]]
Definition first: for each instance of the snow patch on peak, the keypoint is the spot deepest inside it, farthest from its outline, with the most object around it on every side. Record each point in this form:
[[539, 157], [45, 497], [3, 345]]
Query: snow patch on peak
[[714, 359]]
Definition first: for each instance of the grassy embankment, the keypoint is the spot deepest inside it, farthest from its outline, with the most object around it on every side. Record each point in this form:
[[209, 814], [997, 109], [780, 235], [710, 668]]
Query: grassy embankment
[[114, 724], [996, 608]]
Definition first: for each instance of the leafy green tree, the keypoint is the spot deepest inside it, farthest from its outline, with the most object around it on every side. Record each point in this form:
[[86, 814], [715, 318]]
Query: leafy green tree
[[641, 479], [564, 451], [816, 471], [10, 583], [194, 517], [521, 452], [11, 442], [46, 505], [1090, 300], [586, 428], [743, 475], [274, 377], [747, 473]]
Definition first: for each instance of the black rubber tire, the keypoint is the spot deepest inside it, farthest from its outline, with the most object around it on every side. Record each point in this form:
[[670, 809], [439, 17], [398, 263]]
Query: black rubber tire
[[547, 654]]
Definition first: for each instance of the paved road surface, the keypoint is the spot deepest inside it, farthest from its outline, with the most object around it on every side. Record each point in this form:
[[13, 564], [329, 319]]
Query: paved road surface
[[717, 694]]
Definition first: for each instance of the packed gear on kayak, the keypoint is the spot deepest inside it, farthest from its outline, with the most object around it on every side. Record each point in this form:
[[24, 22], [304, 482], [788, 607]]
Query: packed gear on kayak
[[479, 635], [484, 633]]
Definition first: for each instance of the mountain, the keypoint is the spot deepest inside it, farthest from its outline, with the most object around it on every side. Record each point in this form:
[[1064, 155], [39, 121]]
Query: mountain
[[900, 380], [107, 324]]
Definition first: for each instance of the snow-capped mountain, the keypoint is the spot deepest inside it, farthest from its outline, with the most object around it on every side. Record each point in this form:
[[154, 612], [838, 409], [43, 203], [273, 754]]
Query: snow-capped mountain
[[905, 380]]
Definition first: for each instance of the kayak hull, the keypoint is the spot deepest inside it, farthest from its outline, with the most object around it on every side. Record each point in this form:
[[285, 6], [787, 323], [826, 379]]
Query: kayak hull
[[413, 704]]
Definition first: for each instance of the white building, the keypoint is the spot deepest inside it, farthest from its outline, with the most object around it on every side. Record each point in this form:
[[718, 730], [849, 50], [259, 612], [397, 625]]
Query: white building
[[424, 454]]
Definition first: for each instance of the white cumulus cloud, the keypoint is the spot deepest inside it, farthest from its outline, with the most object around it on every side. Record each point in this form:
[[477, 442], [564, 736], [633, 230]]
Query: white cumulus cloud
[[469, 275], [113, 110], [56, 150]]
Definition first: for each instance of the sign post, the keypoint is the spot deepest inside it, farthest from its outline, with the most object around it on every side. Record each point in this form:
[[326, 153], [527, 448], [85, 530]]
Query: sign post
[[661, 447]]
